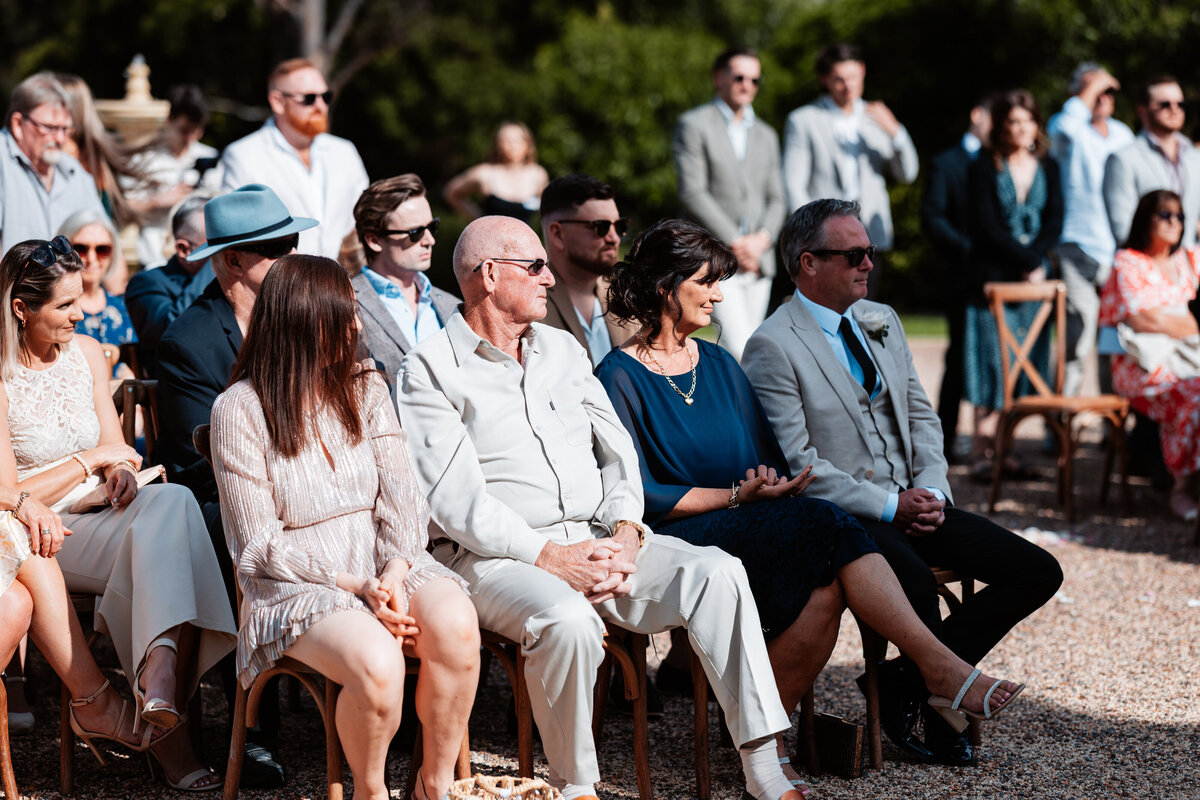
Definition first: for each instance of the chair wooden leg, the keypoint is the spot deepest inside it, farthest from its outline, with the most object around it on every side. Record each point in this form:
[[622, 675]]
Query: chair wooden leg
[[7, 779], [641, 726], [66, 744], [1110, 450], [1068, 472], [237, 745], [600, 695], [414, 766], [806, 739], [333, 745], [1001, 449], [874, 651], [700, 726], [524, 720]]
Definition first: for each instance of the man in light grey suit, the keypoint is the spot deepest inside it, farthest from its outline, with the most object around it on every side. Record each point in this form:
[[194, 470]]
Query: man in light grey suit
[[1159, 158], [843, 147], [727, 161], [397, 304], [875, 448]]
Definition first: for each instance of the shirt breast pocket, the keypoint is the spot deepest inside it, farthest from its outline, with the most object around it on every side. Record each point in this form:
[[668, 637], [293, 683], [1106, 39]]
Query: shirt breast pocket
[[567, 402]]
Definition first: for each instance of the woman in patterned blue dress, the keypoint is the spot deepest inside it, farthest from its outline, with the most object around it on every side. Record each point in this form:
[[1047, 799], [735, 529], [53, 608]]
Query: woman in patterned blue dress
[[1016, 201]]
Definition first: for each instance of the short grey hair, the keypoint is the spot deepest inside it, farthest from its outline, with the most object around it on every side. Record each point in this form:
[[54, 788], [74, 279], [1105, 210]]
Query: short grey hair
[[39, 89], [805, 229], [81, 219], [1081, 72], [183, 218]]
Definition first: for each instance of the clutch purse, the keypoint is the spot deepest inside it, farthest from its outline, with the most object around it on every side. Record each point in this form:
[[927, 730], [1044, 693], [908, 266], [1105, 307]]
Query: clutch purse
[[97, 498]]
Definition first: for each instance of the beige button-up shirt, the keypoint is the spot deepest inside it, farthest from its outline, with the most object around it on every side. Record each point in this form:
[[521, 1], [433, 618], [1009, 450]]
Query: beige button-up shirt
[[511, 455]]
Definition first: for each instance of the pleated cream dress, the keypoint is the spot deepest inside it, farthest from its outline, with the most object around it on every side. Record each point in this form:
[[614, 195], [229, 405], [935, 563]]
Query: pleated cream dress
[[294, 523], [14, 548], [151, 562]]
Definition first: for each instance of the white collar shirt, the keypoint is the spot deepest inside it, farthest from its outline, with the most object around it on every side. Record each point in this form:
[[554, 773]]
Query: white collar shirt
[[738, 129], [847, 132], [326, 191], [512, 454]]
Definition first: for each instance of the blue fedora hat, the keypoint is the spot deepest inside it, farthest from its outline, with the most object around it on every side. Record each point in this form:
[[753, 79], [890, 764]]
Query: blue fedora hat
[[251, 213]]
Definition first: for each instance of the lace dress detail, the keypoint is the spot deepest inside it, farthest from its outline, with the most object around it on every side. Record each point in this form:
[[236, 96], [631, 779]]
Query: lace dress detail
[[50, 412]]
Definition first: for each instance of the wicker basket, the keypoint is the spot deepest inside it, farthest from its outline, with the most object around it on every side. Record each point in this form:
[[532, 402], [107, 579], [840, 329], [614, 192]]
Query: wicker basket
[[486, 787]]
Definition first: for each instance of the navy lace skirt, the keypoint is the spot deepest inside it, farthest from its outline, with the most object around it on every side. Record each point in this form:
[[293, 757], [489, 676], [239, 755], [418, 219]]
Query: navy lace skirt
[[788, 546]]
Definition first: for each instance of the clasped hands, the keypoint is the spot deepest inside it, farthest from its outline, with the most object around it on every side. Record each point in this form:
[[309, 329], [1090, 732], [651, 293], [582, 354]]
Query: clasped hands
[[765, 484], [919, 512], [385, 597], [599, 568], [46, 530]]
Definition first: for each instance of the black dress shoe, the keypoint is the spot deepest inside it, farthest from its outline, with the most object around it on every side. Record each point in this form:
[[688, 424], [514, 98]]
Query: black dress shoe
[[260, 770], [947, 745], [899, 709]]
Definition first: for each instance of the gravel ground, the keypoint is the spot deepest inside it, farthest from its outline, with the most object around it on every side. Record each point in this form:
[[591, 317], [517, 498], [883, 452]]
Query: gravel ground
[[1110, 711]]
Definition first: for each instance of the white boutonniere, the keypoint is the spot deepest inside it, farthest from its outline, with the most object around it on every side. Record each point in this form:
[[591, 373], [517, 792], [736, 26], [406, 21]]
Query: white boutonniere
[[874, 324]]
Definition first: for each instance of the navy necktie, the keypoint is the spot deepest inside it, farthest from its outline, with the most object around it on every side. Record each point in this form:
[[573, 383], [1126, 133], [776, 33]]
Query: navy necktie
[[860, 355]]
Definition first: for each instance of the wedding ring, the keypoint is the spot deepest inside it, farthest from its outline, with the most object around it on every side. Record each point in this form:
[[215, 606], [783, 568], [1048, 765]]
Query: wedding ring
[[45, 530]]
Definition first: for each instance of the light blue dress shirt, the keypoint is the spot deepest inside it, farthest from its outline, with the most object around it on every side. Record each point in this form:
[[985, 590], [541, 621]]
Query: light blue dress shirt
[[829, 321], [416, 329], [596, 332]]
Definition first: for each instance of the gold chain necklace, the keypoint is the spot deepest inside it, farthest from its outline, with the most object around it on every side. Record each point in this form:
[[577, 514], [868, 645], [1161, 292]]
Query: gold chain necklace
[[687, 398]]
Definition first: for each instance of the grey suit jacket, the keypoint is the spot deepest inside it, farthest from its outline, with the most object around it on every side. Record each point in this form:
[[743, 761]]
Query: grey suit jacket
[[560, 313], [1137, 169], [811, 166], [722, 193], [381, 337], [798, 378]]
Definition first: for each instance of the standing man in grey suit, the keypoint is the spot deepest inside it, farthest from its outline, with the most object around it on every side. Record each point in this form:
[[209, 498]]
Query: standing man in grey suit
[[727, 160], [582, 233], [397, 304], [875, 449], [1160, 157], [843, 147]]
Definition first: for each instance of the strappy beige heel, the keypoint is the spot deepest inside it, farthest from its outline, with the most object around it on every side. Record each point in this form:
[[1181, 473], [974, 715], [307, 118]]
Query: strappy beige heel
[[87, 736], [953, 712], [156, 710]]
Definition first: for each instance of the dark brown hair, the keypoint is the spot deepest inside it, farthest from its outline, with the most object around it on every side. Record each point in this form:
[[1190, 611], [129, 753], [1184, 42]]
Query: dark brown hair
[[1143, 220], [379, 200], [836, 53], [299, 351], [660, 260], [1002, 105], [23, 278], [494, 155]]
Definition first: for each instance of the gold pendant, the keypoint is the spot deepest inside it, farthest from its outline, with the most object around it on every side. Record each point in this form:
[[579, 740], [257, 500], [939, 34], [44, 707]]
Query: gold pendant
[[687, 400]]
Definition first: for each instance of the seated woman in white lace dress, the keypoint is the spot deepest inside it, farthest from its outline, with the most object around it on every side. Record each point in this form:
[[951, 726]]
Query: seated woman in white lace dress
[[147, 554], [328, 529]]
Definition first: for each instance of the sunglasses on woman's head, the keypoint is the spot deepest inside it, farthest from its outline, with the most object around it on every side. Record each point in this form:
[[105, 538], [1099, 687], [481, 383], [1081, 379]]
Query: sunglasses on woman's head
[[46, 255], [102, 250]]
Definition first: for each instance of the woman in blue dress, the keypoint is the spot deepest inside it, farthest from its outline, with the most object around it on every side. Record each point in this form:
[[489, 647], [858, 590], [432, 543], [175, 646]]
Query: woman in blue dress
[[712, 473]]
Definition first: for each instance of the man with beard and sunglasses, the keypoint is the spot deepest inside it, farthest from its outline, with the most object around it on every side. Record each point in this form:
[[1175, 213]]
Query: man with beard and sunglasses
[[582, 233], [398, 305], [40, 185], [314, 173]]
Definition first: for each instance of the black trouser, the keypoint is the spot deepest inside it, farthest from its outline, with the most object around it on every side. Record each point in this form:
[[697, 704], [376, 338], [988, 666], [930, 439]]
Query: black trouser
[[951, 393], [1020, 578]]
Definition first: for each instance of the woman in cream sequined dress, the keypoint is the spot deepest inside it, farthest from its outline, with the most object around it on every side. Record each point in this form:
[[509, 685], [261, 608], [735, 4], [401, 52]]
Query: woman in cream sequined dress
[[327, 529]]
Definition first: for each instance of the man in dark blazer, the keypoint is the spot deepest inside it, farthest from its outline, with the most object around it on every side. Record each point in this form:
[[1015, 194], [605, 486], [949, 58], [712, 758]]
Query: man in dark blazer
[[835, 375], [155, 297], [582, 233], [727, 162], [248, 230], [397, 304], [944, 213]]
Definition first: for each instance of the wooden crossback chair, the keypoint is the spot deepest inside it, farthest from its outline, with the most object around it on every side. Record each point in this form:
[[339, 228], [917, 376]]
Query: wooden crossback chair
[[7, 778], [1059, 412], [324, 692], [875, 650], [130, 396]]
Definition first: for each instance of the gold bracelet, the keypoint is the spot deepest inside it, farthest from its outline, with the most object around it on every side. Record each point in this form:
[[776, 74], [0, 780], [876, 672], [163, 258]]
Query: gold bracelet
[[641, 532], [126, 463], [87, 472], [20, 502]]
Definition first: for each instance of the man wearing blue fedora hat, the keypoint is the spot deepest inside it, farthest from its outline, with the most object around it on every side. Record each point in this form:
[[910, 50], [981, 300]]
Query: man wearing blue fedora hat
[[247, 229]]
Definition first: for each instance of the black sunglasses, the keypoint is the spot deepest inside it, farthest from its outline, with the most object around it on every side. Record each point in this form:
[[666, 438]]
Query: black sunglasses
[[1167, 216], [600, 226], [1165, 104], [536, 265], [309, 98], [46, 255], [416, 234], [854, 257], [742, 78]]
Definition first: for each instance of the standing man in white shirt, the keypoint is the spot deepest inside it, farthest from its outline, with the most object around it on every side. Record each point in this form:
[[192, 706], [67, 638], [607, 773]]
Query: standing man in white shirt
[[844, 148], [534, 488], [727, 161], [1082, 137], [314, 173]]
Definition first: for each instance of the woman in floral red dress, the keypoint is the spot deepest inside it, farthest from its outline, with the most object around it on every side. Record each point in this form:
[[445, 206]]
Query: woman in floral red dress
[[1152, 281]]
